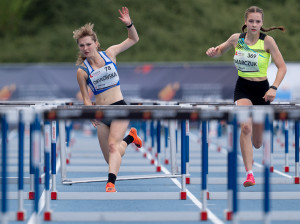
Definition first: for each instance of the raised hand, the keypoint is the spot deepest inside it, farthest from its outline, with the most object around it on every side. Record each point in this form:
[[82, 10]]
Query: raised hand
[[124, 16]]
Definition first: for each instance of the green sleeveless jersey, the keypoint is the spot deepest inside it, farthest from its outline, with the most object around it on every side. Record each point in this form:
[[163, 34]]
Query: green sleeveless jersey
[[251, 61]]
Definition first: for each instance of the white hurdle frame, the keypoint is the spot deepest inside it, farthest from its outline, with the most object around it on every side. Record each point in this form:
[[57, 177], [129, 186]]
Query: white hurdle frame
[[67, 181]]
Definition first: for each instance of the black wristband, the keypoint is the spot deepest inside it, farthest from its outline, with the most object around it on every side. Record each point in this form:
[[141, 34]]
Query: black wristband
[[273, 87], [130, 25]]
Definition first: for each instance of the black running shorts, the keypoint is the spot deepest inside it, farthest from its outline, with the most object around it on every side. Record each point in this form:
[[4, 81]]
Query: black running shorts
[[251, 90], [107, 122]]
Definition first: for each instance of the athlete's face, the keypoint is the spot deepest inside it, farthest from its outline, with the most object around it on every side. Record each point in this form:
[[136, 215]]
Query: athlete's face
[[254, 22], [87, 46]]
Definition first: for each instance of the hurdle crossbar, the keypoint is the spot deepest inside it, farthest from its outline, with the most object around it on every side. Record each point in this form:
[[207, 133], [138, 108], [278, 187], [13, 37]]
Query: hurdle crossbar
[[120, 178]]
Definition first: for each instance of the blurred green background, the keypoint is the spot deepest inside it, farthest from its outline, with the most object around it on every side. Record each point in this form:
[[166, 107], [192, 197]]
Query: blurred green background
[[169, 30]]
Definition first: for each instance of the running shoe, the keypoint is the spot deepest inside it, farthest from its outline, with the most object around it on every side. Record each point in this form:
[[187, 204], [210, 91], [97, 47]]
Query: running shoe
[[136, 139], [110, 187], [249, 181]]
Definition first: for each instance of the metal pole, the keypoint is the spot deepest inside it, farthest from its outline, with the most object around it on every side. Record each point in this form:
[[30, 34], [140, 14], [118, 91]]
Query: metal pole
[[47, 142], [172, 146], [21, 166], [53, 154], [183, 158], [267, 142], [4, 127], [62, 139], [296, 152], [187, 150], [234, 169]]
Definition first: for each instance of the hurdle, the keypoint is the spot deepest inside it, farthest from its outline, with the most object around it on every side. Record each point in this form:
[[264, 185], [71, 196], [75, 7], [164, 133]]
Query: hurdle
[[19, 114], [103, 216], [59, 115], [67, 181]]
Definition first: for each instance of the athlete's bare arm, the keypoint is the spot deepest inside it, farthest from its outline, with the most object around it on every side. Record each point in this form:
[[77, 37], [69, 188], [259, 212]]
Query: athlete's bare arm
[[132, 39], [224, 47]]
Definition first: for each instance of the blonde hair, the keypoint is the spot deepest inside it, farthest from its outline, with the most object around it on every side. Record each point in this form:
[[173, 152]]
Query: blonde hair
[[84, 31], [253, 9]]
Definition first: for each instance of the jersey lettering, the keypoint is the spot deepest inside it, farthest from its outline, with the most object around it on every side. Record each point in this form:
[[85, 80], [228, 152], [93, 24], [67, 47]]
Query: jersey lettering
[[246, 61], [104, 77]]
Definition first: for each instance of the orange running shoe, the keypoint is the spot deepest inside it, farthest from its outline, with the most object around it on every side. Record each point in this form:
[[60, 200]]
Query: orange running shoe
[[136, 139], [249, 181], [110, 187]]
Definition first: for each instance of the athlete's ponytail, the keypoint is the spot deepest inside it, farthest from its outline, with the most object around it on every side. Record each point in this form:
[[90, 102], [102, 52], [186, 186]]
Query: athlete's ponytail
[[253, 9]]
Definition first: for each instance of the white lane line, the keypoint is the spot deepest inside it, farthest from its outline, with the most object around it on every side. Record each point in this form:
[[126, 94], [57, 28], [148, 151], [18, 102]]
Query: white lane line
[[211, 215], [42, 202]]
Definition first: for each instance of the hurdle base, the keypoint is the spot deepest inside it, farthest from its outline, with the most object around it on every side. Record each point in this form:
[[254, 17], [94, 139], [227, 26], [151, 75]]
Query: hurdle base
[[271, 169], [297, 180], [228, 215], [203, 216], [152, 161], [219, 149], [47, 216], [166, 161], [207, 195], [158, 169], [67, 161], [183, 195], [188, 180], [53, 195], [145, 155], [31, 195], [286, 169], [21, 215]]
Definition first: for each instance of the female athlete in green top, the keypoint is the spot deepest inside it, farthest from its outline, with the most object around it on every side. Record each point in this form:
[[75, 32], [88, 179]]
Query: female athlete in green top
[[253, 50]]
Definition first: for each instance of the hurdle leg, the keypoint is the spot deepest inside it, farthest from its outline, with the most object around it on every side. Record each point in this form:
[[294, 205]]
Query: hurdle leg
[[228, 211], [267, 153], [158, 139], [219, 147], [62, 137], [166, 131], [234, 169], [297, 152], [145, 130], [4, 127], [31, 171], [173, 146], [272, 146], [204, 164], [21, 129], [187, 148], [47, 142], [152, 133], [68, 139], [286, 135], [36, 161], [183, 161], [53, 160]]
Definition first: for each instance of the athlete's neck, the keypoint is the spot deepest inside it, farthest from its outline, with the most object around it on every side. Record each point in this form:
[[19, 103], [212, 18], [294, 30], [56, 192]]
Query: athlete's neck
[[94, 59], [251, 37]]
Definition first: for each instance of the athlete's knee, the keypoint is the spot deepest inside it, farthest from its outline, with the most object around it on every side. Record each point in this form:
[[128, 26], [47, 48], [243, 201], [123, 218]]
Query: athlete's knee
[[246, 129], [113, 148]]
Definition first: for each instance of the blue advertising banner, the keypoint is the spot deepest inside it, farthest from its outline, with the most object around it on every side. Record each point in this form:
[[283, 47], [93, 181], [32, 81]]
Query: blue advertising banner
[[165, 81]]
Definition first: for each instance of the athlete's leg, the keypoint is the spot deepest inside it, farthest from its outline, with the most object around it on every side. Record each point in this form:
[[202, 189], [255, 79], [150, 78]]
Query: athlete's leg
[[103, 133], [257, 135], [116, 145], [245, 137]]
